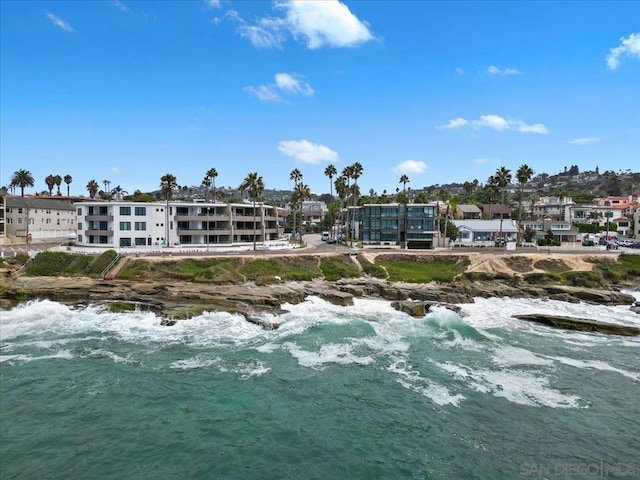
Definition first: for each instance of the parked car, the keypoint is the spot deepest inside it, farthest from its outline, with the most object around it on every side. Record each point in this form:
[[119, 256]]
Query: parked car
[[332, 240]]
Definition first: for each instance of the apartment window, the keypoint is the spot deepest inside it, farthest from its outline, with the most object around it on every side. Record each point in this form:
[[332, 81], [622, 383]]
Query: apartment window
[[125, 242], [20, 221], [125, 210], [141, 210], [125, 225], [79, 238], [140, 225], [19, 210], [79, 211], [10, 221], [79, 226]]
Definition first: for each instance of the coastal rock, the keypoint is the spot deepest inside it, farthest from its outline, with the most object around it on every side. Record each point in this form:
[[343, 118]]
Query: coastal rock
[[590, 295], [415, 309], [581, 324]]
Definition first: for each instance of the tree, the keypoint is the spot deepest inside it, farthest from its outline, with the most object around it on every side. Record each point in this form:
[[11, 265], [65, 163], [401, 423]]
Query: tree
[[356, 172], [107, 188], [523, 175], [404, 179], [68, 179], [253, 185], [168, 183], [502, 178], [330, 172], [22, 178], [212, 174], [342, 191], [50, 180], [301, 193], [58, 180], [296, 177], [92, 188]]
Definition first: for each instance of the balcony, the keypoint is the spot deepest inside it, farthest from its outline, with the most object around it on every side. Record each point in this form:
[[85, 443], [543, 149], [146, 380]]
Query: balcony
[[98, 218], [202, 231], [108, 233]]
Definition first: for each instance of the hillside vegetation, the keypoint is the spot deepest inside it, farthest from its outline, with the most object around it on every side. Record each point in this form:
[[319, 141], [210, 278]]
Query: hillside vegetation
[[576, 270]]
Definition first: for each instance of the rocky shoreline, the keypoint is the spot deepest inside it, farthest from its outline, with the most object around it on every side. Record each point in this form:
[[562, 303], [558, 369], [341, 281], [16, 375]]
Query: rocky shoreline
[[178, 300]]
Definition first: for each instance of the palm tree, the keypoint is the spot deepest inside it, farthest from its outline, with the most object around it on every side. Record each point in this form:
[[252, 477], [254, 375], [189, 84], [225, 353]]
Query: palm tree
[[347, 173], [254, 187], [330, 172], [341, 190], [356, 172], [502, 178], [523, 174], [404, 180], [168, 183], [50, 180], [107, 185], [206, 183], [92, 188], [22, 178], [58, 180], [296, 176], [68, 179], [212, 174], [301, 193]]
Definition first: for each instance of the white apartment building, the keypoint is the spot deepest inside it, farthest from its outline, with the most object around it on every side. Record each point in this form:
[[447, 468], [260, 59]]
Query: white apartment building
[[158, 224]]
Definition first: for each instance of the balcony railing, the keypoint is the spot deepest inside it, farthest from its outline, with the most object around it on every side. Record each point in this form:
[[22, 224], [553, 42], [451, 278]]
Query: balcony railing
[[108, 233], [98, 218]]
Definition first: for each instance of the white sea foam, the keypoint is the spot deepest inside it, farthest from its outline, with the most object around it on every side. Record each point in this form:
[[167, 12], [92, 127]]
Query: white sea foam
[[195, 362], [596, 365], [61, 354], [329, 353], [507, 355], [411, 380]]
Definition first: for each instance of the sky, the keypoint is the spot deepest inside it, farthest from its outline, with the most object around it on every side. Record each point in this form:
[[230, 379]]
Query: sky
[[128, 90]]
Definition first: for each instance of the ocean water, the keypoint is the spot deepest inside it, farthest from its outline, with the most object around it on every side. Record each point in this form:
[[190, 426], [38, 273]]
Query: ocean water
[[361, 392]]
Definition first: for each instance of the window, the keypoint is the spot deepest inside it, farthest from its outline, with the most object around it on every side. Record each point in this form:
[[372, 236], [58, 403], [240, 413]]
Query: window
[[140, 225], [79, 226], [79, 238], [125, 210], [79, 211], [141, 210], [20, 221], [125, 242], [19, 210], [125, 225]]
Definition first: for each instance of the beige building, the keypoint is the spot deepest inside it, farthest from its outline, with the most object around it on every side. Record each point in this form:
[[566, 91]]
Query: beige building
[[37, 220]]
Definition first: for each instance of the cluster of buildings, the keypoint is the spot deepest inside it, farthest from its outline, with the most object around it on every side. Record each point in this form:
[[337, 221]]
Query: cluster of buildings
[[122, 223]]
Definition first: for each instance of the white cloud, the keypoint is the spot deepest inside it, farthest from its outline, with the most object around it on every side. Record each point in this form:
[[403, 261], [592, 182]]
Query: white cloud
[[498, 123], [120, 6], [495, 122], [493, 70], [284, 84], [116, 170], [480, 161], [410, 166], [58, 22], [266, 93], [585, 140], [629, 47], [293, 84], [318, 24], [212, 3], [459, 71], [327, 23], [303, 151], [455, 123], [535, 128]]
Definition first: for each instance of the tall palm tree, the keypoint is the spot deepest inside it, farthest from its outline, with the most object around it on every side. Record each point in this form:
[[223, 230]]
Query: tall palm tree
[[50, 180], [342, 190], [404, 179], [330, 172], [356, 172], [347, 173], [301, 193], [296, 177], [68, 179], [58, 180], [502, 179], [22, 178], [107, 185], [212, 174], [523, 174], [168, 183], [206, 183], [92, 188], [253, 185]]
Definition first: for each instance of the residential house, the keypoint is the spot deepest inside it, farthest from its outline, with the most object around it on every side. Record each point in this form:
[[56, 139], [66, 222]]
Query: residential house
[[412, 226], [477, 231], [313, 211], [496, 211], [39, 220], [468, 212], [552, 207], [562, 231]]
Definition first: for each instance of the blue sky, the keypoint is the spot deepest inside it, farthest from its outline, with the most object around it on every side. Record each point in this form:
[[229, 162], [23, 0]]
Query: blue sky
[[127, 91]]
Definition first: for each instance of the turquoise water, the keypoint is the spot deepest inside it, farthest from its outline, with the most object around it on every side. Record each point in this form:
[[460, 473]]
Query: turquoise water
[[360, 392]]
